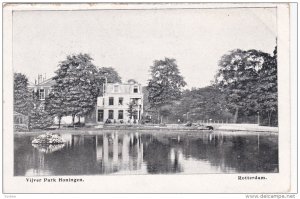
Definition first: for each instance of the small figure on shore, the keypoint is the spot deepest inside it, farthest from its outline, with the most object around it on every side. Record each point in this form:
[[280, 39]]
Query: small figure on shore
[[179, 121], [189, 124], [210, 127]]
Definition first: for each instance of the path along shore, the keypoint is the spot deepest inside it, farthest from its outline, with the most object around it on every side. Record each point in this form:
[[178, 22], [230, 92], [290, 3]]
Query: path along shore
[[229, 128], [216, 127]]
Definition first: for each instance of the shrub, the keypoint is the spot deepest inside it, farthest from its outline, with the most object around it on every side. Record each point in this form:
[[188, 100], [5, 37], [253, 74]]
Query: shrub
[[40, 119]]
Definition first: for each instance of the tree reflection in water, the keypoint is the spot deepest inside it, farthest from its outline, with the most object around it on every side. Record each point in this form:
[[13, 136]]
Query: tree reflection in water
[[48, 148], [153, 153]]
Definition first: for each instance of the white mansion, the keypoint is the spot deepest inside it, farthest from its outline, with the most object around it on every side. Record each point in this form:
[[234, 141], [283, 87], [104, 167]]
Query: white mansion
[[113, 106]]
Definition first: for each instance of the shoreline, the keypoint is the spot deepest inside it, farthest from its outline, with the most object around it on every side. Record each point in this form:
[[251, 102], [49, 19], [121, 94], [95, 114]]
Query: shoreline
[[227, 129]]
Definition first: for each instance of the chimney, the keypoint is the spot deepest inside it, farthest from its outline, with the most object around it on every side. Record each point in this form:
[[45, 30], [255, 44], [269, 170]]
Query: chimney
[[39, 78]]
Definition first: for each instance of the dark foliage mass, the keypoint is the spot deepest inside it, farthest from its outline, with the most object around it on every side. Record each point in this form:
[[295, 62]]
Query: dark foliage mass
[[248, 80], [75, 89], [197, 104], [245, 87], [78, 83], [28, 104], [40, 119], [165, 84], [202, 104], [22, 97]]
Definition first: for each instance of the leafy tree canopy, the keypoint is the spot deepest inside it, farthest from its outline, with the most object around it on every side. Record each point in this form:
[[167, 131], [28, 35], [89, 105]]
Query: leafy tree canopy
[[76, 88], [78, 83], [249, 81], [165, 84], [201, 104], [22, 97]]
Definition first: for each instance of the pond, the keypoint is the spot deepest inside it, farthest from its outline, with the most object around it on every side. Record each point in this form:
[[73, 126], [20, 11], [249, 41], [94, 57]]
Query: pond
[[125, 152]]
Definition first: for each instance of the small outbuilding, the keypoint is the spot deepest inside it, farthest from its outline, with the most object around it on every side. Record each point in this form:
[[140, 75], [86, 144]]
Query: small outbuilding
[[20, 122]]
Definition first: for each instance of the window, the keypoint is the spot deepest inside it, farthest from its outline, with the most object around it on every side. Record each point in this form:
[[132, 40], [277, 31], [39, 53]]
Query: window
[[134, 101], [116, 88], [111, 114], [111, 101], [100, 115], [120, 100], [120, 115], [135, 115], [135, 89], [41, 94]]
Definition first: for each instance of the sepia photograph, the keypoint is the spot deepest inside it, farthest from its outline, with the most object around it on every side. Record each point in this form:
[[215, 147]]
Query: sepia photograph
[[102, 91]]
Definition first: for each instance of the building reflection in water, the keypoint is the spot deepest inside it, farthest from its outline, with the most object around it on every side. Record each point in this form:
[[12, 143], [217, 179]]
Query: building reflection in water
[[119, 152], [132, 152]]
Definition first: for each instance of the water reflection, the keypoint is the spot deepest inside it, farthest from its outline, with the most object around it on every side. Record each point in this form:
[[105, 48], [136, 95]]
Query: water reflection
[[48, 148], [142, 153]]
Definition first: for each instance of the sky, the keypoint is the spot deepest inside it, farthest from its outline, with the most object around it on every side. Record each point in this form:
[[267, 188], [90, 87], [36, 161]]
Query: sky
[[130, 40]]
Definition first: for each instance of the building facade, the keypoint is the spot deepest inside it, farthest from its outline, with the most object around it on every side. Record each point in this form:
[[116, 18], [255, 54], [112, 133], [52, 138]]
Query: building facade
[[41, 87], [120, 103]]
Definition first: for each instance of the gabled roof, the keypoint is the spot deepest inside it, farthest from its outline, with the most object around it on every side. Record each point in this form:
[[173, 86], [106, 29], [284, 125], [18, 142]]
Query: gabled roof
[[47, 82]]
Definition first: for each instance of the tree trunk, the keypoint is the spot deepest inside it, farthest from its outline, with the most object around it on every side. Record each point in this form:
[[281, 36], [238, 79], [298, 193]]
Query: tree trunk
[[59, 121], [158, 116], [161, 119], [29, 122], [79, 119], [236, 115], [73, 120], [269, 117]]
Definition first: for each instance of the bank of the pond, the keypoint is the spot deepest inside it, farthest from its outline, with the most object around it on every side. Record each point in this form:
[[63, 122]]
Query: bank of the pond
[[246, 127], [216, 127], [172, 128]]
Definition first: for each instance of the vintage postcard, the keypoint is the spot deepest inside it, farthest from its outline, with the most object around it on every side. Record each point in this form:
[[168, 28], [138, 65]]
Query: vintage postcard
[[146, 98]]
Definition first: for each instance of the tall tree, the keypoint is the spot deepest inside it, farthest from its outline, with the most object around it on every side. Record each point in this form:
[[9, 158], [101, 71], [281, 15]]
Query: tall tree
[[240, 73], [165, 84], [22, 97], [76, 85], [268, 91]]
